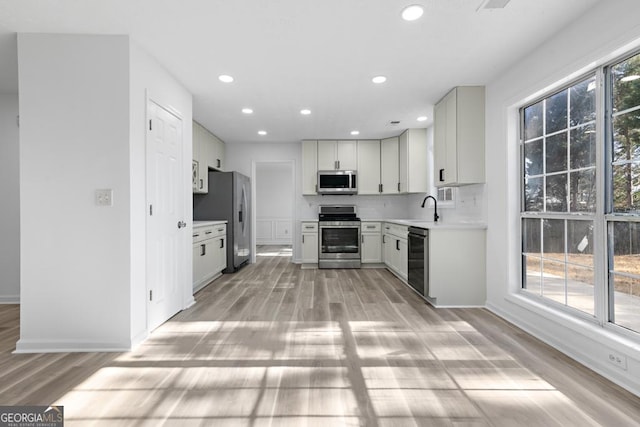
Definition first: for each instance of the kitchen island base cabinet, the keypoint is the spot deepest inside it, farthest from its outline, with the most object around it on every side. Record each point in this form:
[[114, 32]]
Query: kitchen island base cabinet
[[457, 274]]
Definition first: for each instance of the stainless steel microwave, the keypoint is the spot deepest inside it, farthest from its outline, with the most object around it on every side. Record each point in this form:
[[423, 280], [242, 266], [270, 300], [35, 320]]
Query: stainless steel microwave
[[337, 182]]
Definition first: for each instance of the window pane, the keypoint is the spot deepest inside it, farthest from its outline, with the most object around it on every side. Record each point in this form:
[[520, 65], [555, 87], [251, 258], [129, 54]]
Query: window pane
[[583, 191], [580, 282], [533, 157], [553, 281], [626, 302], [533, 121], [626, 188], [583, 147], [553, 239], [533, 194], [556, 188], [626, 136], [556, 157], [580, 242], [556, 116], [626, 86], [531, 239], [532, 275], [626, 247], [583, 102]]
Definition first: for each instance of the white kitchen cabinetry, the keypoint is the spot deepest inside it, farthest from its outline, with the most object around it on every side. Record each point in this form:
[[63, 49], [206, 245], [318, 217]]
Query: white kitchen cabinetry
[[371, 243], [413, 168], [396, 247], [459, 137], [368, 167], [337, 155], [309, 232], [457, 267], [389, 166], [309, 167], [208, 153], [209, 253]]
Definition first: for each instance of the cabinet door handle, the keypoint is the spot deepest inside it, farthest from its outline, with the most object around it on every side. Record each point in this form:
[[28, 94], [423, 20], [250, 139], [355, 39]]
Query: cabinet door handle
[[441, 173], [398, 245], [218, 160], [398, 187], [201, 184], [338, 164], [362, 239], [379, 188], [384, 240], [303, 239], [203, 250], [221, 243]]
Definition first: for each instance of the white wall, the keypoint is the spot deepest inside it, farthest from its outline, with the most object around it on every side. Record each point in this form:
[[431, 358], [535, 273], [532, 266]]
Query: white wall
[[74, 139], [148, 77], [274, 196], [593, 39], [10, 196]]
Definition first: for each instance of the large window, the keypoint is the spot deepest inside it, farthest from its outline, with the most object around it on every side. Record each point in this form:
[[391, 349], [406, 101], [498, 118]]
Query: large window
[[564, 219]]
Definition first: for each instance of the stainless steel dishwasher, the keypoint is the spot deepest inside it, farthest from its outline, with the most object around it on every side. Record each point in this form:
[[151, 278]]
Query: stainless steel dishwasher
[[419, 260]]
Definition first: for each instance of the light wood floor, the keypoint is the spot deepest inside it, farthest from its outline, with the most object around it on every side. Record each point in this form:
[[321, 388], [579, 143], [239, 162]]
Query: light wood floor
[[277, 345]]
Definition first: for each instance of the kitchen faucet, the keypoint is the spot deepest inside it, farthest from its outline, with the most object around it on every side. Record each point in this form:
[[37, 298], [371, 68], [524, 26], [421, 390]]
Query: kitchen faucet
[[435, 207]]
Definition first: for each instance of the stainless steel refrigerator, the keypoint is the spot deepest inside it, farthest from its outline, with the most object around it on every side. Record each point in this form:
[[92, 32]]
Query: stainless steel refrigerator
[[229, 199]]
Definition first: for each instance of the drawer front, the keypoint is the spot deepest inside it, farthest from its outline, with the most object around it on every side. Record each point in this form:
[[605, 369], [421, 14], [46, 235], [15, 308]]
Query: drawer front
[[203, 233], [219, 230], [309, 227], [397, 230], [371, 227]]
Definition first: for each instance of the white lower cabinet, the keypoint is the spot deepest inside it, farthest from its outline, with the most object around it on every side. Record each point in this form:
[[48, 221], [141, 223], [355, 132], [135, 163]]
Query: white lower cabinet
[[371, 242], [457, 267], [396, 248], [209, 254], [309, 232]]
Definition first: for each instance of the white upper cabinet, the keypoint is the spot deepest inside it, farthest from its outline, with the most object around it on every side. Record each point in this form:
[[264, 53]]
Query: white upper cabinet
[[208, 152], [389, 166], [413, 161], [368, 167], [337, 155], [459, 137], [309, 167]]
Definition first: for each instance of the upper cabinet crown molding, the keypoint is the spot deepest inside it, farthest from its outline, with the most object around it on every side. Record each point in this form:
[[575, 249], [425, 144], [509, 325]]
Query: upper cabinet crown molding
[[459, 137]]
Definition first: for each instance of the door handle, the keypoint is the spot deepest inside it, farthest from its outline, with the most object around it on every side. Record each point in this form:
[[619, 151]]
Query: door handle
[[181, 224]]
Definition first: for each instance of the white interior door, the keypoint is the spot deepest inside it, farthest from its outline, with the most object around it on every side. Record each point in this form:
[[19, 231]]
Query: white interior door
[[165, 215]]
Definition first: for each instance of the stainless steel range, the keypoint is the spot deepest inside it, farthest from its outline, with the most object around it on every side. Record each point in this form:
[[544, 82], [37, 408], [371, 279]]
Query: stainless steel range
[[339, 237]]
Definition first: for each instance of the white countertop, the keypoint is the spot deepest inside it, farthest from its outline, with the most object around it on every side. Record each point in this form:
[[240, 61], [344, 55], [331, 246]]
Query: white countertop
[[197, 224], [461, 225]]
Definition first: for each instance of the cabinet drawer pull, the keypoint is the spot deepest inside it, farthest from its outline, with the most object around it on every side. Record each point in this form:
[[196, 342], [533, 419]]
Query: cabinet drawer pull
[[308, 227], [196, 235], [208, 232], [220, 229], [371, 226]]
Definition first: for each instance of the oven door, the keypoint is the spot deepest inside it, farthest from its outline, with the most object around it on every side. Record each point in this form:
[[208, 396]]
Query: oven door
[[339, 244]]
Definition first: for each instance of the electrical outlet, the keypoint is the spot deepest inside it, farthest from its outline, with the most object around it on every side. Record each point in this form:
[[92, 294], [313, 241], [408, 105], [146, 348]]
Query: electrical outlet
[[618, 359], [104, 197]]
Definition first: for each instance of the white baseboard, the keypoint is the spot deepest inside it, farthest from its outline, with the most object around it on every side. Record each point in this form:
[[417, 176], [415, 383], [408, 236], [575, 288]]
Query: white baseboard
[[10, 299], [54, 346]]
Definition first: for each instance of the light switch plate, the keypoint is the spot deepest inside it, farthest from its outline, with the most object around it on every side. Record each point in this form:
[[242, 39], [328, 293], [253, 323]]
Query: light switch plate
[[104, 197]]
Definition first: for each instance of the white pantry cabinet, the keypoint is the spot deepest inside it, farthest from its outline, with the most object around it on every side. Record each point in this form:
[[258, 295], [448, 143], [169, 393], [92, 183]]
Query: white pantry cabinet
[[209, 253], [413, 168], [389, 166], [309, 232], [396, 249], [458, 147], [309, 167], [368, 167], [337, 155], [371, 243]]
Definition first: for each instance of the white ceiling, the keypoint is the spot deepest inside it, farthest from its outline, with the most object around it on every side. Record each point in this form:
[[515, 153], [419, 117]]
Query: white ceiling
[[287, 55]]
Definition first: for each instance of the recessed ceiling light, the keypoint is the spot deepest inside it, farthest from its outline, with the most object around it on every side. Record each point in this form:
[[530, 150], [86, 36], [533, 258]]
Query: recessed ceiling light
[[379, 79], [247, 111], [355, 132], [413, 12], [305, 112], [422, 118], [630, 78], [225, 78], [262, 132]]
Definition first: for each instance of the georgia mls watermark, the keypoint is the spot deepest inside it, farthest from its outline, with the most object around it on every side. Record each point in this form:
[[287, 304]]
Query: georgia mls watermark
[[31, 416]]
